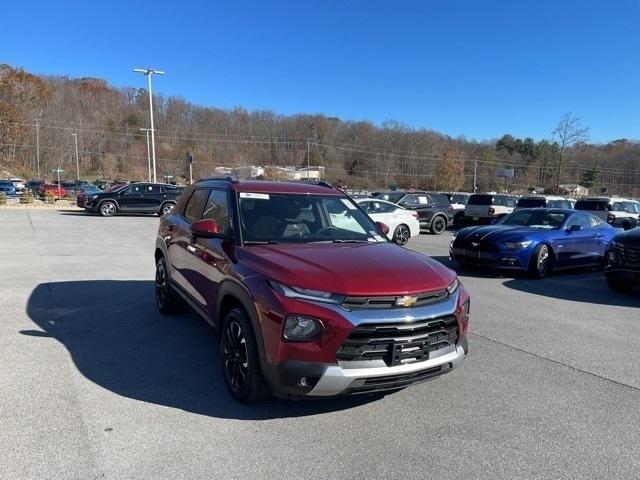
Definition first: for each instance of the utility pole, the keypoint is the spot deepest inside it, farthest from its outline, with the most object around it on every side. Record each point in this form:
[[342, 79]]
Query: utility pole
[[75, 136], [475, 176], [308, 152], [190, 162], [149, 72], [148, 150], [38, 146]]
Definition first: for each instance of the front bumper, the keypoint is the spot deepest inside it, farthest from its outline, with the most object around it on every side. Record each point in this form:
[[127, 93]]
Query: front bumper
[[508, 260], [337, 380], [346, 375]]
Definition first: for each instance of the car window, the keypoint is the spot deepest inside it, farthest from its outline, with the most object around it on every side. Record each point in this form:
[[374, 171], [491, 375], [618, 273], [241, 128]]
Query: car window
[[417, 199], [383, 207], [532, 203], [195, 205], [462, 199], [169, 188], [579, 219], [368, 207], [558, 204], [594, 205], [392, 197], [504, 201], [480, 199], [152, 189], [596, 222], [542, 219], [134, 190], [217, 208]]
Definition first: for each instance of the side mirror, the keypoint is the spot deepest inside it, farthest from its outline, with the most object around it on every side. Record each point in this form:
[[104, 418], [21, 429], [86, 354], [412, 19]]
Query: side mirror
[[384, 227], [574, 228], [207, 228]]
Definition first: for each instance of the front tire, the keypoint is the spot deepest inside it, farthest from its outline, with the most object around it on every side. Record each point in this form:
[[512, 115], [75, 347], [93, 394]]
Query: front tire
[[618, 286], [401, 234], [240, 360], [167, 300], [541, 262], [166, 208], [438, 225], [107, 209]]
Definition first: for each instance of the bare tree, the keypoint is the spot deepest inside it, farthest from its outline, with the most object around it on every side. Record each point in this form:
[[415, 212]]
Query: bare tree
[[568, 132]]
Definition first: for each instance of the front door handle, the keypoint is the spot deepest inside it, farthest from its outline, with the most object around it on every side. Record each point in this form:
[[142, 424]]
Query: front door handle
[[192, 249]]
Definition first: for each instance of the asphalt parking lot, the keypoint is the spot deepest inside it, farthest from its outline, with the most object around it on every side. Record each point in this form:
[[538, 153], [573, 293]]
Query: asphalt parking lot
[[94, 383]]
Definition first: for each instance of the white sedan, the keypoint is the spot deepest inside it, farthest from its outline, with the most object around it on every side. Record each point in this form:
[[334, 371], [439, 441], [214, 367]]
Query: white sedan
[[403, 224]]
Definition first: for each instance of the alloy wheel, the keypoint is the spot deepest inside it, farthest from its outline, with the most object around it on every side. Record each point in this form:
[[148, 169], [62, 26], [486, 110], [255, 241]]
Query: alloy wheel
[[161, 284], [543, 261], [108, 209], [167, 209], [401, 235], [236, 358]]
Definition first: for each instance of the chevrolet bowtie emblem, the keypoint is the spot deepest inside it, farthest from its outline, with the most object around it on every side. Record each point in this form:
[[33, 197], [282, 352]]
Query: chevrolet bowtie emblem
[[406, 301]]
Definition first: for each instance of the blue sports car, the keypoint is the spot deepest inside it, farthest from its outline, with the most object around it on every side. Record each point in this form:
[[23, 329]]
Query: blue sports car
[[536, 240]]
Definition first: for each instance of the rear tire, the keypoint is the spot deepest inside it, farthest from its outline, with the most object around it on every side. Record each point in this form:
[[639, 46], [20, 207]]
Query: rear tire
[[438, 225], [401, 234], [107, 209], [240, 360], [541, 262], [167, 300]]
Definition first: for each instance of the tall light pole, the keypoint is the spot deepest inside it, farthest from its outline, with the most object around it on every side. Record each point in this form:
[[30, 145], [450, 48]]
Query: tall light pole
[[38, 146], [148, 150], [149, 72], [75, 136]]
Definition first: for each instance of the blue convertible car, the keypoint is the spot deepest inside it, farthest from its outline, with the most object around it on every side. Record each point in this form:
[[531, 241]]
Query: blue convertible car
[[536, 240]]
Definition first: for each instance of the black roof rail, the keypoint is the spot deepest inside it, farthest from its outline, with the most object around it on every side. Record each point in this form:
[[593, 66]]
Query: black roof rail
[[320, 183], [227, 178]]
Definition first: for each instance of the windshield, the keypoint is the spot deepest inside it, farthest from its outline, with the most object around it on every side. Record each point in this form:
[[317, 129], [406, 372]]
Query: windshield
[[598, 205], [393, 197], [535, 219], [505, 201], [301, 218]]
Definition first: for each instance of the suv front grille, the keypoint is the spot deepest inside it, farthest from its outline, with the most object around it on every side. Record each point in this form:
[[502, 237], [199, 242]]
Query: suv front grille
[[398, 343], [357, 303], [628, 256]]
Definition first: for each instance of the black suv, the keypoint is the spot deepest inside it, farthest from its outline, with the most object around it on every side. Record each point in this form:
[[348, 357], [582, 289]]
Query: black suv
[[623, 261], [435, 213], [135, 198]]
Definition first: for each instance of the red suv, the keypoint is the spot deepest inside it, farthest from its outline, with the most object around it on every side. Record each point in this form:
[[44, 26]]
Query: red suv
[[309, 296]]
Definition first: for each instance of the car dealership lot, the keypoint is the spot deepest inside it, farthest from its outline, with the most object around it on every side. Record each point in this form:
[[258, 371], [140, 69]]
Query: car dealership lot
[[94, 383]]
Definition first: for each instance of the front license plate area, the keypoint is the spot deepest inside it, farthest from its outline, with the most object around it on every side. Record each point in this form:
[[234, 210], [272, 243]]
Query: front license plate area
[[410, 352]]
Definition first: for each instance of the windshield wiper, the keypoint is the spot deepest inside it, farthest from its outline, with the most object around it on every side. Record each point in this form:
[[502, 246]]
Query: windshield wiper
[[259, 242], [340, 240]]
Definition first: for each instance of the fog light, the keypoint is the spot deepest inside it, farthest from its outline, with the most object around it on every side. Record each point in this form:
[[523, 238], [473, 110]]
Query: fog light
[[298, 328], [303, 382]]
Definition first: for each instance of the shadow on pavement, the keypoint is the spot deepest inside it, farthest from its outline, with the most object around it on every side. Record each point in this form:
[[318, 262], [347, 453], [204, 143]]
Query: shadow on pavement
[[578, 285], [119, 341], [82, 213]]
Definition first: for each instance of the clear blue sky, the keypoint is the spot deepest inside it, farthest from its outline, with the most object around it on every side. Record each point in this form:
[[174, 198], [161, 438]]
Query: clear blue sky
[[474, 68]]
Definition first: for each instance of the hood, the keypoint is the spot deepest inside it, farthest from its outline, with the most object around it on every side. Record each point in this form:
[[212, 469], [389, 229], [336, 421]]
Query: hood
[[500, 232], [349, 269], [630, 236]]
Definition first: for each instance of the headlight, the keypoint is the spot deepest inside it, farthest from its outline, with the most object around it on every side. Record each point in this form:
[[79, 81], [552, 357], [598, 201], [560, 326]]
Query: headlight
[[451, 289], [306, 294], [298, 328], [518, 245]]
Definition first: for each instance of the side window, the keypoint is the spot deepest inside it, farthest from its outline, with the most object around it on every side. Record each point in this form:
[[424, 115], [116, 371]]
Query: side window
[[385, 208], [410, 200], [595, 222], [195, 205], [217, 208], [580, 219], [152, 189], [366, 206], [134, 190]]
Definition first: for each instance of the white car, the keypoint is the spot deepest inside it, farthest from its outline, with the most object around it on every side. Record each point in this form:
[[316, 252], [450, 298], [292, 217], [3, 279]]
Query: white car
[[403, 224]]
